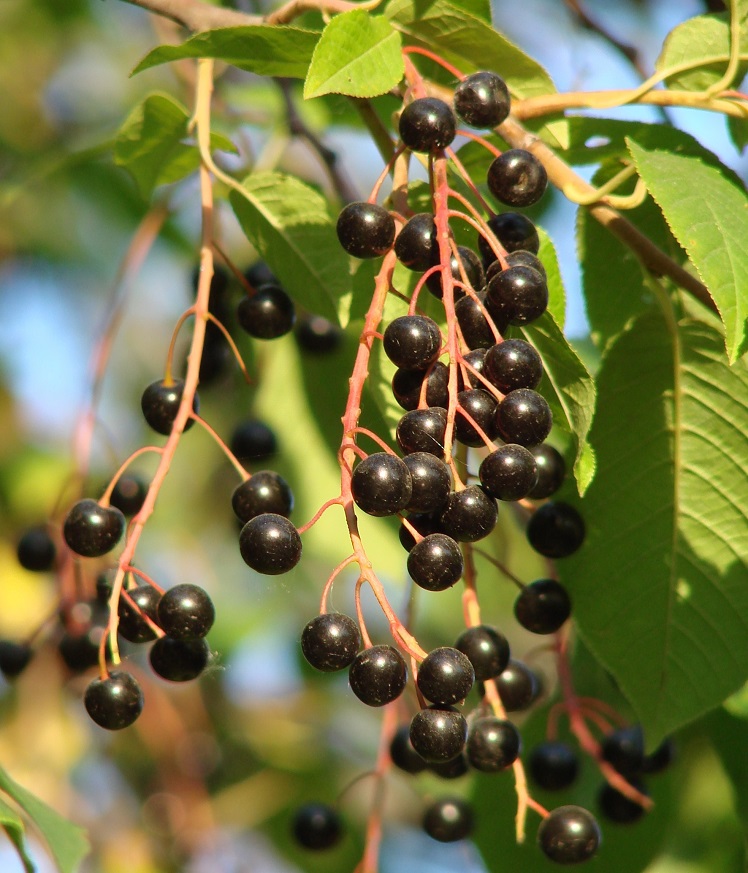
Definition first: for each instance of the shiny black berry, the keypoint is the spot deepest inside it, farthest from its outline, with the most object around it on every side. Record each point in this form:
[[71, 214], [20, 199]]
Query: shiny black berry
[[402, 753], [509, 473], [518, 295], [542, 606], [186, 612], [616, 807], [445, 676], [381, 484], [556, 530], [14, 658], [469, 515], [317, 826], [518, 686], [438, 733], [424, 522], [412, 342], [407, 385], [366, 230], [517, 178], [36, 550], [268, 314], [264, 491], [378, 675], [330, 641], [513, 364], [569, 835], [431, 481], [486, 649], [623, 748], [480, 406], [493, 744], [114, 702], [416, 245], [317, 336], [553, 765], [427, 124], [551, 471], [514, 231], [253, 440], [473, 361], [465, 261], [482, 100], [160, 403], [179, 660], [435, 563], [520, 257], [422, 430], [92, 530], [524, 417], [448, 819], [270, 544], [129, 494], [139, 602], [474, 325]]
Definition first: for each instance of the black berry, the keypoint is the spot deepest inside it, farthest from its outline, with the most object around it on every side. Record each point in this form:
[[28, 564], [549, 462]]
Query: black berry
[[493, 744], [448, 819], [431, 481], [486, 649], [422, 430], [524, 417], [14, 658], [253, 440], [513, 364], [366, 230], [569, 835], [330, 641], [435, 563], [402, 753], [445, 676], [132, 625], [381, 484], [509, 473], [427, 124], [465, 260], [482, 100], [475, 327], [438, 734], [518, 686], [551, 471], [616, 807], [160, 403], [407, 384], [556, 530], [92, 530], [553, 765], [270, 544], [481, 407], [416, 245], [114, 702], [378, 675], [424, 522], [469, 515], [518, 295], [36, 550], [186, 612], [264, 491], [179, 660], [514, 231], [412, 342], [517, 178], [623, 748], [317, 336], [317, 826], [542, 606], [526, 259], [128, 495], [268, 314]]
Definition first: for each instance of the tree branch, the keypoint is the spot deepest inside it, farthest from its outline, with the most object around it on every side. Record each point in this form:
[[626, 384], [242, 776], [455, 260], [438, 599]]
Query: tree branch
[[196, 15]]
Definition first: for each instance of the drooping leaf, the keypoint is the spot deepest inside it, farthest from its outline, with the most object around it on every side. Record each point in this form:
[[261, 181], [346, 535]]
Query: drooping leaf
[[659, 585], [358, 55], [260, 48], [14, 827], [703, 41], [289, 224], [566, 385], [67, 843], [150, 143], [469, 42], [708, 214]]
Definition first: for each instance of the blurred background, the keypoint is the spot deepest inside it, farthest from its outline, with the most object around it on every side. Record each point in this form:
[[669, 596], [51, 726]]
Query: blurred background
[[206, 780]]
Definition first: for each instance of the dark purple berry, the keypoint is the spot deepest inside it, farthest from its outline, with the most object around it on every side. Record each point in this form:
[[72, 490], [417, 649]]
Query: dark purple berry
[[542, 606], [524, 417], [473, 361], [378, 675], [407, 384], [481, 407], [514, 231], [317, 336], [518, 686], [474, 325], [114, 702], [179, 660], [435, 563], [317, 826], [427, 125], [518, 295], [36, 550], [330, 641], [253, 440], [416, 245], [553, 765], [412, 342], [129, 494], [486, 649], [616, 807], [431, 481], [160, 404], [381, 484], [509, 473], [623, 748], [424, 522], [423, 430], [366, 230], [402, 753], [472, 267], [551, 471], [449, 819], [493, 744], [92, 530], [482, 100], [438, 733], [569, 835], [517, 178], [445, 676], [520, 257], [556, 530], [268, 314], [264, 491], [143, 601], [469, 515], [186, 612], [513, 364], [270, 544]]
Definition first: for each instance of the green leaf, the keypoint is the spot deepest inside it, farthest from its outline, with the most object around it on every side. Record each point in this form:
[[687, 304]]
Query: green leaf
[[659, 586], [566, 385], [150, 144], [556, 290], [708, 214], [469, 42], [358, 55], [289, 224], [260, 48], [16, 831], [727, 733], [66, 842], [703, 41]]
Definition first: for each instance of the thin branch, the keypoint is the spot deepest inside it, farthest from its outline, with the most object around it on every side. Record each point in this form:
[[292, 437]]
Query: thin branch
[[196, 15], [630, 52]]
